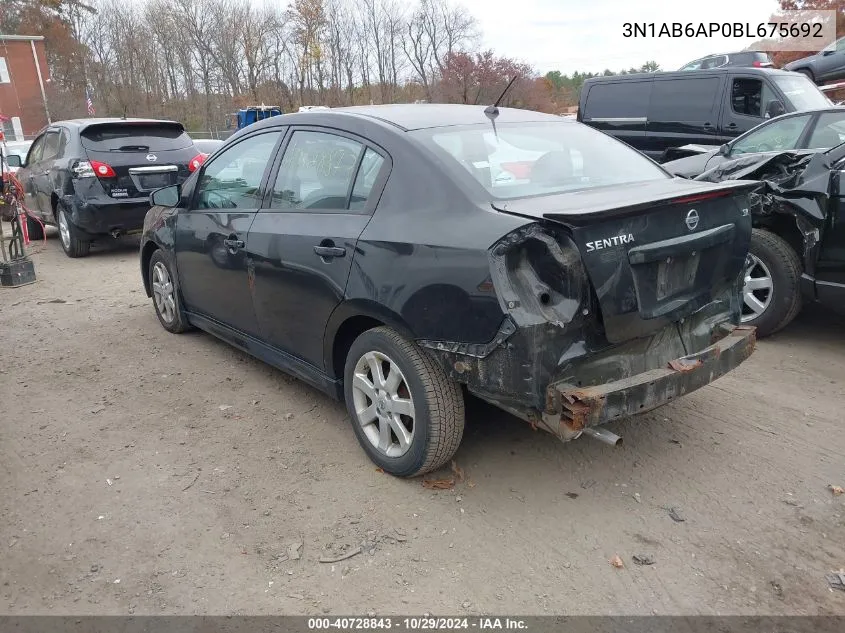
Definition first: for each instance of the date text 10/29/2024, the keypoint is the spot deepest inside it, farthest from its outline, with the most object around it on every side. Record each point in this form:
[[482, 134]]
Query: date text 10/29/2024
[[417, 624]]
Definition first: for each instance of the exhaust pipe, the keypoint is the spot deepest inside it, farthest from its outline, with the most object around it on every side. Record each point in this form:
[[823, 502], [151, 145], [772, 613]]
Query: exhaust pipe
[[603, 435]]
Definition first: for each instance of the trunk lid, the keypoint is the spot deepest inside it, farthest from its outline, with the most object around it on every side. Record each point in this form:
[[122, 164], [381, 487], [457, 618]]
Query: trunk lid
[[143, 156], [655, 252]]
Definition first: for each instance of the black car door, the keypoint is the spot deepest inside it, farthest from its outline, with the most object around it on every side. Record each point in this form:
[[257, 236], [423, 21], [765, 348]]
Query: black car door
[[682, 112], [304, 240], [27, 174], [43, 173], [211, 234], [744, 105], [830, 266]]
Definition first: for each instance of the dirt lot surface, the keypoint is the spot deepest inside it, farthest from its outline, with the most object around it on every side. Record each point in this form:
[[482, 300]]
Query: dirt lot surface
[[149, 473]]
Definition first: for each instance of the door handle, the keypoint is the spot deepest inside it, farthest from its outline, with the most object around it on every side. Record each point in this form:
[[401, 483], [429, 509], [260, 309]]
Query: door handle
[[330, 252], [233, 244]]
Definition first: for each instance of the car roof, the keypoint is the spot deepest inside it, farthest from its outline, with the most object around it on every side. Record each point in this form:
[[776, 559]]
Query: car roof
[[685, 74], [413, 116]]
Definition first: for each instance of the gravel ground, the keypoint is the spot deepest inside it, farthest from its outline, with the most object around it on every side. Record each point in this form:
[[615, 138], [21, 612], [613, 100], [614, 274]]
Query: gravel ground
[[149, 473]]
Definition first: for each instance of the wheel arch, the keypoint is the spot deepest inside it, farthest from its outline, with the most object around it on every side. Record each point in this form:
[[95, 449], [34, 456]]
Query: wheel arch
[[784, 226], [347, 322], [147, 251]]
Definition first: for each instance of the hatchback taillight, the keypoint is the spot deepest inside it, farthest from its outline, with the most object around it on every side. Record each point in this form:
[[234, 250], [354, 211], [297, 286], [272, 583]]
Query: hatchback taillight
[[757, 64], [196, 162], [102, 170]]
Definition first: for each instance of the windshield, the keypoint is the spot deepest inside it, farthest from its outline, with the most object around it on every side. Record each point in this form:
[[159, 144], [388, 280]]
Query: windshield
[[801, 92], [530, 159]]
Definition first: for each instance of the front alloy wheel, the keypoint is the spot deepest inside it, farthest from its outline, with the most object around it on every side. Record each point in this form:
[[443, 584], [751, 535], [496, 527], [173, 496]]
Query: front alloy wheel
[[163, 293], [165, 296], [757, 290]]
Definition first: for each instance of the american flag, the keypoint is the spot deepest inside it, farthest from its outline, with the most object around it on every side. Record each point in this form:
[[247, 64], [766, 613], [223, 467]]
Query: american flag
[[89, 102]]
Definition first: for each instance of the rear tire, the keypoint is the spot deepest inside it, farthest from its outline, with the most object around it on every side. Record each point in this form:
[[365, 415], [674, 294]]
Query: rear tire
[[408, 417], [34, 229], [70, 237], [776, 259]]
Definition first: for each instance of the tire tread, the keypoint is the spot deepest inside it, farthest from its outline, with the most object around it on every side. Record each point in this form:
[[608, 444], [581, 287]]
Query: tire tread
[[788, 258]]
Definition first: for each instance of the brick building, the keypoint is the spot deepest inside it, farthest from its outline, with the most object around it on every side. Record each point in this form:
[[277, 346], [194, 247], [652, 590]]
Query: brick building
[[23, 85]]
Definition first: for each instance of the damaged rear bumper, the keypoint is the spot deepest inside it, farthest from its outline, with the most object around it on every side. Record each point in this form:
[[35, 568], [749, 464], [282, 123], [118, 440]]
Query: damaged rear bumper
[[570, 410]]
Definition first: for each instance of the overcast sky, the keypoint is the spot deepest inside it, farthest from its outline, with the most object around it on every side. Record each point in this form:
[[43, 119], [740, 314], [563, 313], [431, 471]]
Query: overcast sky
[[586, 35]]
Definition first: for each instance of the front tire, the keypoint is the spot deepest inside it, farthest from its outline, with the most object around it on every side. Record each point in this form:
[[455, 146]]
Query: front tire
[[165, 296], [772, 291], [72, 242], [407, 415]]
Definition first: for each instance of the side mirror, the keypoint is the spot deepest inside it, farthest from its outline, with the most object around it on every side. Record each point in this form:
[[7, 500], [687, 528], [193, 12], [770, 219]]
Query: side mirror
[[166, 196], [724, 150], [13, 160], [828, 52], [774, 108]]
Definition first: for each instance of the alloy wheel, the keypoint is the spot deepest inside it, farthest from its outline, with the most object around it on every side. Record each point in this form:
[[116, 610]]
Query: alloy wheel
[[163, 295], [64, 229], [757, 291], [383, 404]]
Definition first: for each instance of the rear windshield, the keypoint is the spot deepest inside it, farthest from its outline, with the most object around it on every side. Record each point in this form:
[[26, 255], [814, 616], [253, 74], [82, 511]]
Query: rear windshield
[[801, 92], [529, 159], [135, 137]]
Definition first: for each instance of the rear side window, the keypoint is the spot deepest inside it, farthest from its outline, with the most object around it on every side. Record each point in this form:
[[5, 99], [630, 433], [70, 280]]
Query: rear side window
[[317, 171], [684, 99], [135, 137], [621, 100]]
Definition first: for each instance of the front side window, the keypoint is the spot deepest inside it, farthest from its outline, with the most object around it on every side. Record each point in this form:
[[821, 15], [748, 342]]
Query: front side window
[[747, 97], [528, 159], [232, 179], [779, 135], [317, 172]]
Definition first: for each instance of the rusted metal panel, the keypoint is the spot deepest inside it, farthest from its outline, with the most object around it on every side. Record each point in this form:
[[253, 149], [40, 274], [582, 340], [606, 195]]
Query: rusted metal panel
[[583, 407]]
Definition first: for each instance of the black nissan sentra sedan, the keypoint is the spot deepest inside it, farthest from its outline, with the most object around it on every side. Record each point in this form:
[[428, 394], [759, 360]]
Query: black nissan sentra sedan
[[397, 256]]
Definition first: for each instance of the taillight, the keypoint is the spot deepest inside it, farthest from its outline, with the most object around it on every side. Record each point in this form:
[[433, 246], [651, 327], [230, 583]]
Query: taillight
[[196, 162], [757, 64], [102, 170], [702, 196], [82, 169]]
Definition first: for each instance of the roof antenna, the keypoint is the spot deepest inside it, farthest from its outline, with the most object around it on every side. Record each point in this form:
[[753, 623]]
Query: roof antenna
[[493, 110], [124, 112]]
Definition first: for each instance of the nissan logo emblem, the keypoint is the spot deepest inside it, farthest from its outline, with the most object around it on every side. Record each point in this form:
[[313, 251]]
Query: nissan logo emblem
[[692, 219], [152, 158]]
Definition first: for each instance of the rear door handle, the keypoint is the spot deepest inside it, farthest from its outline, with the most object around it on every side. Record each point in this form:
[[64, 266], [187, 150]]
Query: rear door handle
[[233, 244], [330, 252]]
